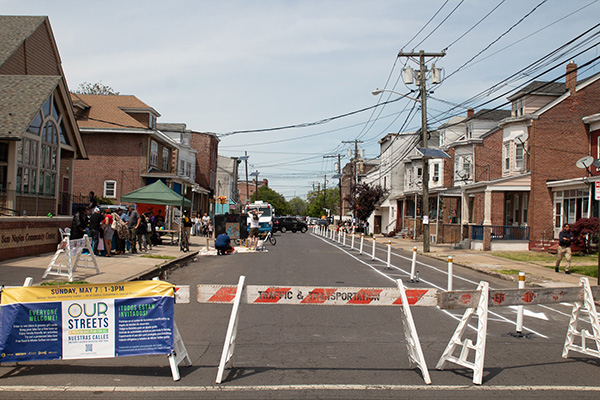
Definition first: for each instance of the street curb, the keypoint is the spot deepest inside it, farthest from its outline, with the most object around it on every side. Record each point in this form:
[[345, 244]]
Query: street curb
[[156, 270]]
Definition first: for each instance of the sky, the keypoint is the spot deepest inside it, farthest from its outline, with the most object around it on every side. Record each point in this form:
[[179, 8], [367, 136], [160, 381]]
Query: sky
[[226, 66]]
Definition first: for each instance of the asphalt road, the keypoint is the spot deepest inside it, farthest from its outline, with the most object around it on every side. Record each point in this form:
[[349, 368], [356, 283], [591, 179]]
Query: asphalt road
[[326, 352]]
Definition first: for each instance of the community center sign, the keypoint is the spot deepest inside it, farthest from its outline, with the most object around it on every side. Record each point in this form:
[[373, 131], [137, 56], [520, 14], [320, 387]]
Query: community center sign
[[86, 321]]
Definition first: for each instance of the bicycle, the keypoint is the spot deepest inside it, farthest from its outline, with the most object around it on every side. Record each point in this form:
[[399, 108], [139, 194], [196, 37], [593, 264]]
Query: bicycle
[[269, 236]]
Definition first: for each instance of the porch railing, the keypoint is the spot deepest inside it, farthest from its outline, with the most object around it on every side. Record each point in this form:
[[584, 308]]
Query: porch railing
[[502, 232]]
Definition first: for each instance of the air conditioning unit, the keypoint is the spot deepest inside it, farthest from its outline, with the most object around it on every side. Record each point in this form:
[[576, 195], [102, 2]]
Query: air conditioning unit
[[436, 178]]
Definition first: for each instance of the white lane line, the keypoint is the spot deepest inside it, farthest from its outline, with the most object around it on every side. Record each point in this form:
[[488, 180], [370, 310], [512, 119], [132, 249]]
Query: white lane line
[[436, 286], [297, 387]]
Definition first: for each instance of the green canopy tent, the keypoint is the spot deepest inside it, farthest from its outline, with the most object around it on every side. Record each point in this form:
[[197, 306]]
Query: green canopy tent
[[156, 193]]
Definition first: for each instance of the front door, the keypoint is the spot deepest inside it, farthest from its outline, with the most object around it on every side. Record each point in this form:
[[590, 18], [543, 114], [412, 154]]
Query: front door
[[377, 224], [65, 197]]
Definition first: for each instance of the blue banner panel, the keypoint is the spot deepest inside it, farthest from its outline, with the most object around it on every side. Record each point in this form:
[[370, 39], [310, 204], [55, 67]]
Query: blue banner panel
[[86, 321]]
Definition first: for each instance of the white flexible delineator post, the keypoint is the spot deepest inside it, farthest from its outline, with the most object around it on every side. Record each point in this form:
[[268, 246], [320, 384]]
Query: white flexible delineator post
[[467, 344], [586, 305], [413, 344], [373, 255], [229, 345], [362, 242], [413, 264]]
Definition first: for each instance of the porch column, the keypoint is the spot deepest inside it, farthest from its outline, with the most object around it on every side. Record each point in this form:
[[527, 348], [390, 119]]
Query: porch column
[[464, 214], [487, 221]]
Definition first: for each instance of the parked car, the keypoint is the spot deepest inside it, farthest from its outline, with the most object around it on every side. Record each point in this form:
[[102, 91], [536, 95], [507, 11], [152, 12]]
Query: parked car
[[284, 224]]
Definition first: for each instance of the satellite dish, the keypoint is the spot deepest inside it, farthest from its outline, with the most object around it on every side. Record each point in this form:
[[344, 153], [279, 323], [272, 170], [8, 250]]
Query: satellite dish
[[596, 163], [584, 162]]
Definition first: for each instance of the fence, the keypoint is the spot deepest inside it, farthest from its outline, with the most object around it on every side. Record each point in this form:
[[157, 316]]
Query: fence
[[502, 232], [15, 203]]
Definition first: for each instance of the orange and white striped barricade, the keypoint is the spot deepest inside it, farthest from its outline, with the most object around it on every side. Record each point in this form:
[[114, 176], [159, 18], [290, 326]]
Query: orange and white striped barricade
[[324, 296]]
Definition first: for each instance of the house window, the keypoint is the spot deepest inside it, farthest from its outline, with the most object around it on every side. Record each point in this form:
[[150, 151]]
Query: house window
[[181, 168], [525, 207], [519, 151], [38, 153], [436, 172], [154, 153], [110, 189], [152, 122], [469, 131], [467, 167], [188, 169], [518, 109], [506, 156], [165, 159]]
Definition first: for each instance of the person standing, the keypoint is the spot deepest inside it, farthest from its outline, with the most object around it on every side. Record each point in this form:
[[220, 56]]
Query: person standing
[[565, 239], [132, 223], [95, 226], [254, 227], [121, 231], [108, 232], [79, 224]]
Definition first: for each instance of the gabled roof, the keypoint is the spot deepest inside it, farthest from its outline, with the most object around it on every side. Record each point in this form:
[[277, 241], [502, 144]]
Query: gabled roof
[[22, 96], [107, 111], [540, 88], [13, 31], [489, 115]]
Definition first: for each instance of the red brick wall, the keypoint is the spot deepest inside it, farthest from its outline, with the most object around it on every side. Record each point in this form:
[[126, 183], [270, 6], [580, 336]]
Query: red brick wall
[[207, 147], [122, 158], [488, 157], [449, 169], [557, 140]]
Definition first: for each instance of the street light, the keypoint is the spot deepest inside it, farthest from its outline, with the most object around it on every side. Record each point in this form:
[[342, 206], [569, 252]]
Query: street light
[[377, 92]]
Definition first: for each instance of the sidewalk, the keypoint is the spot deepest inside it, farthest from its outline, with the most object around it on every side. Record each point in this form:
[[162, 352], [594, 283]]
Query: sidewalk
[[535, 275], [121, 268]]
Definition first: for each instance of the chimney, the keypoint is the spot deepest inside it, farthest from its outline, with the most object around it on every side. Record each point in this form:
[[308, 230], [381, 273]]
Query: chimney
[[265, 182], [470, 112], [571, 77]]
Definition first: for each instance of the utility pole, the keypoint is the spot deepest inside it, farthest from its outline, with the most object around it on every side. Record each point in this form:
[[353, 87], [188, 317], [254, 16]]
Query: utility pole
[[247, 190], [324, 192], [339, 171], [422, 77], [354, 171]]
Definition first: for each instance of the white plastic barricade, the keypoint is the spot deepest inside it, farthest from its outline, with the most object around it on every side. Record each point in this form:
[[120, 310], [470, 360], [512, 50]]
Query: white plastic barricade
[[325, 296], [72, 250], [467, 345], [477, 302], [585, 304]]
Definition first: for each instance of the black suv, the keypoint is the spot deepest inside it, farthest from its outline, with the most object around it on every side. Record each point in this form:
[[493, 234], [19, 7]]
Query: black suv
[[284, 224]]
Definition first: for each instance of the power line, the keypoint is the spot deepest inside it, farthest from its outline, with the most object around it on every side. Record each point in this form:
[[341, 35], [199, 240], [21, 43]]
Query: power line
[[440, 24], [428, 22], [474, 26]]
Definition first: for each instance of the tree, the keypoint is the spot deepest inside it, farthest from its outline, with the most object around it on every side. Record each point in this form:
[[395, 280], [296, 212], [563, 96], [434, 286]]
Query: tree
[[585, 230], [298, 206], [318, 202], [270, 196], [367, 197], [95, 88]]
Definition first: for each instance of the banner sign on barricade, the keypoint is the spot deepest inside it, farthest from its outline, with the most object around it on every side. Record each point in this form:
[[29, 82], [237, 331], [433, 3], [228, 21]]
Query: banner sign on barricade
[[87, 321], [326, 296], [73, 251]]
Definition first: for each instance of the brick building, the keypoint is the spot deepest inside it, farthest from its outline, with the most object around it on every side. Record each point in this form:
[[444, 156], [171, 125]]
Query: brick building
[[127, 151]]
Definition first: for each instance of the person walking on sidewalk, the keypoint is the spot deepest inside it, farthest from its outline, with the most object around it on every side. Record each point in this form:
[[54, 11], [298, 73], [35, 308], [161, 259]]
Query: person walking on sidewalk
[[132, 223], [565, 238]]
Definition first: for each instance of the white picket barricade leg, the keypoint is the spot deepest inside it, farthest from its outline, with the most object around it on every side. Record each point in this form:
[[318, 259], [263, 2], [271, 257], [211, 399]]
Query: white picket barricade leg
[[586, 305], [467, 344], [229, 345], [178, 355], [413, 344]]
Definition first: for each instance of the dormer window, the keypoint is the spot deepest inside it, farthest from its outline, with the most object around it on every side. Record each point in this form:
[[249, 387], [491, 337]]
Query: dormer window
[[518, 109], [152, 121], [469, 133]]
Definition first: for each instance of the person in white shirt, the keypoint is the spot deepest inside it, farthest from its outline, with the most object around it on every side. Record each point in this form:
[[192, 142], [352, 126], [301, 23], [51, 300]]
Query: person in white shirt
[[254, 227]]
